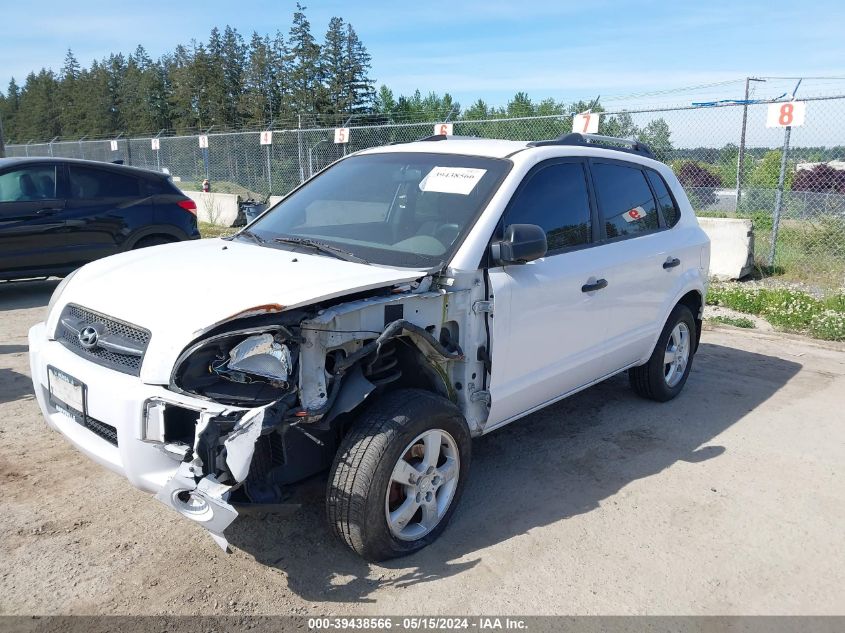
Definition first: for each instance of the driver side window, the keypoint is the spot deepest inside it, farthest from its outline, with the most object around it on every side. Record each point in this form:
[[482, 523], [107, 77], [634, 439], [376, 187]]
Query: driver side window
[[36, 182], [555, 198]]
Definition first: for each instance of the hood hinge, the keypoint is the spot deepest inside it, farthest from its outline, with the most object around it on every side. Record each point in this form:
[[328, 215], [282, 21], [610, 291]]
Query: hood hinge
[[480, 396], [480, 307]]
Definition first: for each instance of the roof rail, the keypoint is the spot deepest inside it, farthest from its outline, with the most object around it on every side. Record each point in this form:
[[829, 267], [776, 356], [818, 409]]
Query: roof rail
[[444, 137], [584, 140]]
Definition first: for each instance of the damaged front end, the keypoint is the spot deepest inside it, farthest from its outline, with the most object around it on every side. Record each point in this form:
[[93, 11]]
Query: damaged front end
[[278, 388]]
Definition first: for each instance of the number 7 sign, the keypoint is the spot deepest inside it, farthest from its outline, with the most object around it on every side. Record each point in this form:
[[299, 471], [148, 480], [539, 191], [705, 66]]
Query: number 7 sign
[[586, 123]]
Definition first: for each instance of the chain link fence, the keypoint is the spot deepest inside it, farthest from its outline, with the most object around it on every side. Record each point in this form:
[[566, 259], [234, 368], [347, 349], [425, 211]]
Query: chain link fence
[[795, 198]]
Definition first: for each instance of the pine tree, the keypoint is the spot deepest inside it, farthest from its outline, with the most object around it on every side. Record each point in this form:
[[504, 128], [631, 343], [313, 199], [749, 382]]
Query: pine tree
[[358, 90], [305, 70], [68, 104], [38, 114], [233, 69], [384, 102], [9, 111], [477, 110], [336, 67], [255, 104]]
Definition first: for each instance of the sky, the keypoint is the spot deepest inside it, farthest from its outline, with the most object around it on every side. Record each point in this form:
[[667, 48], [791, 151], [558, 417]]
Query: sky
[[483, 49]]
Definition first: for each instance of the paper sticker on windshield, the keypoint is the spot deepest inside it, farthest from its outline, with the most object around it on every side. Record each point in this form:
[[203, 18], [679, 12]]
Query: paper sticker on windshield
[[635, 214], [460, 180]]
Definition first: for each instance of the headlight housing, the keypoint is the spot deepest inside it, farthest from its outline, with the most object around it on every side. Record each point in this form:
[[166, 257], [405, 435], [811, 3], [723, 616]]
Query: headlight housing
[[57, 293], [243, 368]]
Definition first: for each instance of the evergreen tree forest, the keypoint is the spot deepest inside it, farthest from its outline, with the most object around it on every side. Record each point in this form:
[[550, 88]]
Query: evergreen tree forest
[[230, 81]]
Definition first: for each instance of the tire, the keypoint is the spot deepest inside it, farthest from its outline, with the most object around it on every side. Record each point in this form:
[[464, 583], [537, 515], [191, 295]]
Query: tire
[[361, 489], [152, 240], [661, 381]]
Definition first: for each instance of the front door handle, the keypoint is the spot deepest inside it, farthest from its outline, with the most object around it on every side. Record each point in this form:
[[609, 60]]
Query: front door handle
[[47, 211], [671, 263], [596, 285]]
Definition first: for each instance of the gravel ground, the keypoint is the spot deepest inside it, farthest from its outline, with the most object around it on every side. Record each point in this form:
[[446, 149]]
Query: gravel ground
[[728, 500]]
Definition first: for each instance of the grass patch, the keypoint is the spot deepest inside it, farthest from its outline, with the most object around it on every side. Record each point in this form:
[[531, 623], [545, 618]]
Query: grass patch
[[786, 308], [810, 250], [742, 322], [213, 230]]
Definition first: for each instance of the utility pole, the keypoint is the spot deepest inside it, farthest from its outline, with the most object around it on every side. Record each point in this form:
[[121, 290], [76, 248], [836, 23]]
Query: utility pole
[[2, 140], [741, 157]]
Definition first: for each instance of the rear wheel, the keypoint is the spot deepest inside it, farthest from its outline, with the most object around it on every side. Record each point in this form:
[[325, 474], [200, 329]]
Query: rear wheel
[[664, 375], [398, 474], [153, 240]]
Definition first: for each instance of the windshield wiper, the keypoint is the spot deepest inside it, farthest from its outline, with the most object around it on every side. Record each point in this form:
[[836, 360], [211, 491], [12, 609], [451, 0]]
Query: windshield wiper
[[322, 247], [253, 236]]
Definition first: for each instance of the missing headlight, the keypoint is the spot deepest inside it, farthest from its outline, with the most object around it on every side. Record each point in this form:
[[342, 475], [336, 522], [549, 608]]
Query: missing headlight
[[257, 358], [244, 368]]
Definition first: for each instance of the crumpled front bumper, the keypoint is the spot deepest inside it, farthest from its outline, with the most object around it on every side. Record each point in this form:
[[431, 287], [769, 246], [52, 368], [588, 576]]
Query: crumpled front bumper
[[119, 400]]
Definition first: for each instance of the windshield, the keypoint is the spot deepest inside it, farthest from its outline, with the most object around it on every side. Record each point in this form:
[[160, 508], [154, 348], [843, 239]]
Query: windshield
[[398, 209]]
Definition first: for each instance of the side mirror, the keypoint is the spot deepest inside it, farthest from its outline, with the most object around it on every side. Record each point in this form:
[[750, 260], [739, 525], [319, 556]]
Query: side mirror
[[522, 243]]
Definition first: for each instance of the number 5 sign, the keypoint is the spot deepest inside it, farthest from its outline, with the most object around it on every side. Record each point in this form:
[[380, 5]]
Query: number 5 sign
[[585, 123], [341, 135], [791, 114], [443, 129]]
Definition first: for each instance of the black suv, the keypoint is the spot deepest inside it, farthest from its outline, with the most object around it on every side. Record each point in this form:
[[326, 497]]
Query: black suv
[[57, 214]]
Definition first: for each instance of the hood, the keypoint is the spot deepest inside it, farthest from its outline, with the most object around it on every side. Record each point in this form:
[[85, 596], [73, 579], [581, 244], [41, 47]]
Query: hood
[[179, 290]]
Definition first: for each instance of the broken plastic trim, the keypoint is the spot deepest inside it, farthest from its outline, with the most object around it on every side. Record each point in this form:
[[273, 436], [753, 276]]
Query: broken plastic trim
[[394, 329], [203, 502]]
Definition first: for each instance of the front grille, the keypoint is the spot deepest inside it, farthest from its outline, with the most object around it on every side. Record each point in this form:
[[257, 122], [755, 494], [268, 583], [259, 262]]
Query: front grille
[[126, 363], [105, 431]]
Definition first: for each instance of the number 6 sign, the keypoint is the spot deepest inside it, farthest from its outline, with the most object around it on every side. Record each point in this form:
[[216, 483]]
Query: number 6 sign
[[790, 114], [443, 129]]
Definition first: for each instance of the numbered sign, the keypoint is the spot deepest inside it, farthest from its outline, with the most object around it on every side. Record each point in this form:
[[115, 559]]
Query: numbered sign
[[791, 114], [204, 141], [155, 143], [341, 135], [586, 123], [113, 145], [267, 137], [443, 129]]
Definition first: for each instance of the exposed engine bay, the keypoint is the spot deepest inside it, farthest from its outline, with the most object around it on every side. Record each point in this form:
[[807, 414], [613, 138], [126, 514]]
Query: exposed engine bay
[[283, 387]]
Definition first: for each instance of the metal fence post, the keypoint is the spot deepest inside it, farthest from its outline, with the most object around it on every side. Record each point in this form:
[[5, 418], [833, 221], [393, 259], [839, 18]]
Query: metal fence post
[[779, 196], [299, 143]]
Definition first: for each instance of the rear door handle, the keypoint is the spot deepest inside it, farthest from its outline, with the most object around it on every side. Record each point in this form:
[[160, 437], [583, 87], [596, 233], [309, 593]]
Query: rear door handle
[[597, 285], [671, 263], [47, 211]]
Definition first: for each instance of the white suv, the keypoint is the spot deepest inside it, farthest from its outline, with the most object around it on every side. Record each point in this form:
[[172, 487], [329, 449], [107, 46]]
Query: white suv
[[404, 300]]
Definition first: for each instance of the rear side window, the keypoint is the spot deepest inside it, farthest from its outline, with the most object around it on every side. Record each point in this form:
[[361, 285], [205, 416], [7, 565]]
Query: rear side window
[[36, 182], [625, 201], [86, 183], [556, 199], [667, 205]]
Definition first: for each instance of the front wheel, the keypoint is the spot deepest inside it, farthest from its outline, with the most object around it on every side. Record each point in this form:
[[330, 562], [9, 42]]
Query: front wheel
[[666, 371], [398, 474]]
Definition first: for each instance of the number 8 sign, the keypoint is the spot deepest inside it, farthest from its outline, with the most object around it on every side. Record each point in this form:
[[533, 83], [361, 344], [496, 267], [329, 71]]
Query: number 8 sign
[[790, 114]]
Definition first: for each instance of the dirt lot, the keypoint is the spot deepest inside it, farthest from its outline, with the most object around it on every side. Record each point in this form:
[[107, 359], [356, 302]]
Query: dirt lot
[[728, 500]]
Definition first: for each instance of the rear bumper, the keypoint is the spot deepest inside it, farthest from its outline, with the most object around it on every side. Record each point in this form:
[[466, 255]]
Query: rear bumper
[[114, 399]]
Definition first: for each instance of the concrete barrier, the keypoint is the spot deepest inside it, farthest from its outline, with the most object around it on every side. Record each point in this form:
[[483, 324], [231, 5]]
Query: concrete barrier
[[731, 246], [215, 208]]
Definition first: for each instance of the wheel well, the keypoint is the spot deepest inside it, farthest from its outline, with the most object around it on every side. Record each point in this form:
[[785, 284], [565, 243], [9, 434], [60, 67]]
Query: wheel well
[[400, 365], [166, 237], [693, 301]]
